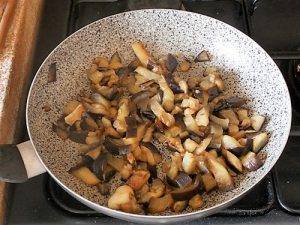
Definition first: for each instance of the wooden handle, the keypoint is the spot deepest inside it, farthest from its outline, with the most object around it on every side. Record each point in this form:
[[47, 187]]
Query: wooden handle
[[6, 12]]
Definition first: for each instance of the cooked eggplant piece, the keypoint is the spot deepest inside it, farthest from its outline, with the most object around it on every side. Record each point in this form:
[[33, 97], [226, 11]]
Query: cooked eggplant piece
[[179, 206], [190, 145], [123, 199], [222, 122], [120, 165], [138, 179], [213, 92], [115, 61], [161, 114], [96, 108], [259, 141], [233, 160], [220, 173], [156, 154], [173, 131], [148, 136], [183, 86], [95, 77], [168, 95], [202, 117], [123, 112], [158, 205], [213, 153], [230, 114], [202, 57], [94, 153], [232, 102], [70, 107], [102, 62], [191, 125], [157, 189], [202, 147], [115, 146], [201, 164], [147, 115], [209, 182], [181, 180], [173, 171], [257, 121], [251, 161], [131, 124], [189, 163], [98, 98], [75, 115], [172, 84], [84, 174], [233, 129], [104, 189], [141, 53], [194, 137], [78, 136], [196, 202], [215, 129], [171, 63], [229, 142], [188, 192], [149, 75], [191, 103], [184, 66]]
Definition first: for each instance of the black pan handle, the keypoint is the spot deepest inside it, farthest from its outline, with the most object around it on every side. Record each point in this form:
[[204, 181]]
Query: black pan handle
[[19, 162]]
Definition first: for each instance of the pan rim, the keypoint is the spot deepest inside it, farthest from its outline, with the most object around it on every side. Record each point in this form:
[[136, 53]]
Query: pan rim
[[153, 218]]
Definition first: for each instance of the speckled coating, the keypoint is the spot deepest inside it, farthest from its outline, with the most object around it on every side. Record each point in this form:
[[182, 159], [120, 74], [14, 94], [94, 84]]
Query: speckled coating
[[247, 70]]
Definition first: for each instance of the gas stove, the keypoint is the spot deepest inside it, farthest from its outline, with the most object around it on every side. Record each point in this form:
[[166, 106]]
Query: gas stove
[[274, 24]]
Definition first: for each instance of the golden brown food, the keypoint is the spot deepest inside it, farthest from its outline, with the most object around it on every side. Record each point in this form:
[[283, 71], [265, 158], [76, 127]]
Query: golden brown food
[[169, 138]]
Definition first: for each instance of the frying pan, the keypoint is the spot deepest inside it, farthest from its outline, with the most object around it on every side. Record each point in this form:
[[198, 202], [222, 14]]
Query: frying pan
[[248, 72]]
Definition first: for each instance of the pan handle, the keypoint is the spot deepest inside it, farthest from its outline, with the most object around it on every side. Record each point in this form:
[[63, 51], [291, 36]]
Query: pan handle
[[19, 162]]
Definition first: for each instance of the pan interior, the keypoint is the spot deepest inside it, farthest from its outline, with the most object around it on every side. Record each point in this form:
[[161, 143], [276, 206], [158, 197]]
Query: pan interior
[[248, 72]]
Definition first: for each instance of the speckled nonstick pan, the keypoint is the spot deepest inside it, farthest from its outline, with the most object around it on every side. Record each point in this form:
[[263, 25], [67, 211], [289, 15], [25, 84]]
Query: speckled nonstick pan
[[248, 70]]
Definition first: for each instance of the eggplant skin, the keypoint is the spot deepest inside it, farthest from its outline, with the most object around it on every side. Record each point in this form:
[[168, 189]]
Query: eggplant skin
[[181, 180], [187, 193], [114, 147], [233, 102], [251, 161], [171, 63]]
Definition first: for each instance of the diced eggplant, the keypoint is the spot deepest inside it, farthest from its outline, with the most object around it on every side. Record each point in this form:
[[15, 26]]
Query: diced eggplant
[[188, 192], [94, 153], [233, 160], [158, 205], [115, 61], [190, 145], [84, 174], [232, 102], [120, 165], [222, 122], [215, 129], [98, 98], [213, 92], [171, 63], [202, 57], [229, 142], [75, 115], [173, 171], [259, 141], [138, 179], [157, 189], [123, 199], [108, 173], [147, 114], [115, 146], [183, 86], [131, 126], [209, 182], [61, 132], [99, 164], [251, 161], [220, 173], [230, 114], [179, 206], [257, 121], [156, 154], [202, 117], [181, 180], [78, 136], [202, 147], [189, 163], [196, 202]]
